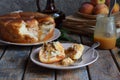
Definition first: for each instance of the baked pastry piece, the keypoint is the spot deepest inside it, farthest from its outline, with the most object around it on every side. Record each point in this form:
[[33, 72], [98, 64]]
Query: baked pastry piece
[[51, 52], [75, 51], [26, 27], [67, 61]]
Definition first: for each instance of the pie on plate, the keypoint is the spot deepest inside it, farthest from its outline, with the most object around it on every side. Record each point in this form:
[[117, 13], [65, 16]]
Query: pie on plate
[[26, 27], [56, 35], [86, 61]]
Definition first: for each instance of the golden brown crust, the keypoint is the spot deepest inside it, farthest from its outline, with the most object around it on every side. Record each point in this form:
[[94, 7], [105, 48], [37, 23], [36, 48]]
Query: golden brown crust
[[51, 53], [49, 35], [44, 19], [32, 14], [75, 51], [25, 27], [11, 33], [10, 16]]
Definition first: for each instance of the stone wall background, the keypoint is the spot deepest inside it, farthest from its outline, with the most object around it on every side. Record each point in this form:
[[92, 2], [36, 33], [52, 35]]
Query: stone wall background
[[67, 6]]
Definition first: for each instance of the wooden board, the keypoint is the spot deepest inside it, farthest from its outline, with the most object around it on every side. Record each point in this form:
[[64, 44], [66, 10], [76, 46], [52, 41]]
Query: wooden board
[[13, 62], [78, 24], [116, 56], [35, 72], [2, 48], [107, 69]]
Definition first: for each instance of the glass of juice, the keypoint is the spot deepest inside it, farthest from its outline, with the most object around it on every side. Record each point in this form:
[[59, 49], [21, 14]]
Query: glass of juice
[[105, 31]]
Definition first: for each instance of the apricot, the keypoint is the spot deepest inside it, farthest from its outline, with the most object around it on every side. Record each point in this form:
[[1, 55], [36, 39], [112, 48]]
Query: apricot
[[86, 8], [116, 8], [101, 9]]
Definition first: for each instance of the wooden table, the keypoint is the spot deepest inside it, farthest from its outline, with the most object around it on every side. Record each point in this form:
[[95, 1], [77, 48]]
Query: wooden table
[[15, 64]]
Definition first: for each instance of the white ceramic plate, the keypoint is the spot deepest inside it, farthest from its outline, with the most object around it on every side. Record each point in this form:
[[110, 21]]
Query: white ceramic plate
[[56, 35], [86, 61]]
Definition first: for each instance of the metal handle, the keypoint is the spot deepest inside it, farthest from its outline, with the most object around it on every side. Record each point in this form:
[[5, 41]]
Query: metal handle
[[112, 3], [95, 45]]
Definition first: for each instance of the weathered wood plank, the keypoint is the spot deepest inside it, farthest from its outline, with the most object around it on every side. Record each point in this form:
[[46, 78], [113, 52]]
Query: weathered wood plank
[[13, 63], [75, 74], [2, 48], [35, 72], [104, 68], [87, 40], [116, 53]]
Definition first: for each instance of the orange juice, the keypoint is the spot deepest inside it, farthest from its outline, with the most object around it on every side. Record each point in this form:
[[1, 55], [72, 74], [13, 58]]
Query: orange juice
[[105, 31], [106, 42]]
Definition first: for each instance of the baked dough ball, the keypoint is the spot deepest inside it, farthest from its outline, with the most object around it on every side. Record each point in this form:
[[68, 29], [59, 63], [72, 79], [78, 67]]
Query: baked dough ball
[[51, 52], [75, 51]]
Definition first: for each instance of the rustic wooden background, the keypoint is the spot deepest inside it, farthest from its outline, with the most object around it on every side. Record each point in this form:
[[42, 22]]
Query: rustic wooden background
[[67, 6]]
